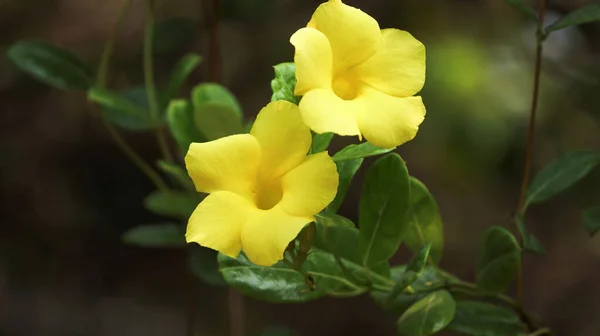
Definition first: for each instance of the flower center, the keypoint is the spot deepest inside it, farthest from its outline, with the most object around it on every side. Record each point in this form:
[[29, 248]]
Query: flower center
[[268, 193], [346, 86]]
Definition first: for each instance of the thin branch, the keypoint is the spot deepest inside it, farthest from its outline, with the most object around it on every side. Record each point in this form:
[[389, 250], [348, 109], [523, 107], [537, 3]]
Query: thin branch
[[102, 77]]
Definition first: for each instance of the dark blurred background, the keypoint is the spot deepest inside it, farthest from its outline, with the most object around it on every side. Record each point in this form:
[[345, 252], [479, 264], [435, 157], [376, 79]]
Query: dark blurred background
[[68, 193]]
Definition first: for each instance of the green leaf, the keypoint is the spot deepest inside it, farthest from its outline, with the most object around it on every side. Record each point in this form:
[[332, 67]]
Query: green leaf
[[591, 220], [499, 261], [424, 222], [586, 14], [172, 203], [475, 318], [180, 73], [51, 65], [413, 271], [203, 264], [382, 210], [173, 34], [560, 174], [320, 142], [216, 120], [428, 315], [362, 150], [346, 170], [178, 173], [128, 110], [156, 235], [180, 118], [530, 243], [215, 93], [277, 331], [284, 83], [329, 218], [523, 8]]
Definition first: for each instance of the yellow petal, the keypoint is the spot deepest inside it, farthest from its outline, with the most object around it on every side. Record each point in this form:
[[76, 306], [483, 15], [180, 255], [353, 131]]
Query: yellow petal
[[283, 137], [313, 60], [266, 235], [217, 222], [311, 186], [354, 35], [389, 121], [228, 164], [398, 66], [323, 112]]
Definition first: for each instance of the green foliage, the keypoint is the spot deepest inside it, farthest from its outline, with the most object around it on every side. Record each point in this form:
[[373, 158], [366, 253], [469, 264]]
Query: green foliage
[[320, 142], [530, 243], [178, 173], [424, 223], [362, 150], [499, 261], [172, 203], [591, 220], [522, 7], [217, 112], [413, 271], [561, 174], [586, 14], [346, 170], [180, 118], [128, 110], [51, 65], [173, 34], [329, 218], [383, 207], [475, 318], [284, 83], [203, 264], [428, 315], [215, 93], [338, 240], [156, 235], [180, 73]]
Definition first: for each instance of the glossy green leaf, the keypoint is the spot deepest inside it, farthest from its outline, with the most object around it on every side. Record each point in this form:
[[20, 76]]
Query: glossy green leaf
[[424, 222], [530, 243], [320, 142], [383, 208], [215, 93], [284, 83], [156, 235], [561, 174], [498, 262], [173, 34], [178, 174], [128, 110], [216, 120], [522, 7], [362, 150], [586, 14], [180, 73], [474, 318], [591, 220], [428, 315], [172, 203], [180, 118], [346, 171], [51, 65], [203, 264], [329, 218], [413, 271]]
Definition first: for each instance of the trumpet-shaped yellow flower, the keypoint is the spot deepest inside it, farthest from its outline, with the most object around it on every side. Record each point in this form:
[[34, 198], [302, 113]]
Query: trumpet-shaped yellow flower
[[263, 187], [356, 79]]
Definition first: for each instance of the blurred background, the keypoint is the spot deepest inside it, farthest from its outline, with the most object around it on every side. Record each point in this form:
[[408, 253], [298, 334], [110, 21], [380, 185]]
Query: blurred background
[[68, 193]]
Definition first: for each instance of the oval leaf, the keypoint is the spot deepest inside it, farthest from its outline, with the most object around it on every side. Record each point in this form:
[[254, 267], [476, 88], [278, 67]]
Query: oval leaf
[[591, 220], [216, 120], [284, 83], [51, 65], [586, 14], [180, 117], [178, 174], [483, 319], [215, 93], [428, 315], [159, 235], [172, 203], [203, 264], [128, 110], [424, 222], [560, 174], [346, 170], [362, 150], [328, 218], [382, 210], [498, 262], [180, 73]]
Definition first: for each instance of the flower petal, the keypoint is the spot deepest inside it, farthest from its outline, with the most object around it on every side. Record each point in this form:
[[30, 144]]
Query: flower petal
[[266, 235], [354, 35], [323, 111], [311, 186], [283, 137], [398, 66], [389, 121], [217, 222], [228, 164], [313, 60]]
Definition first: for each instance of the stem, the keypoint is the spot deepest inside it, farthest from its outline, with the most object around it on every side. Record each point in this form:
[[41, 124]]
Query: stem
[[214, 51], [530, 134], [149, 81], [110, 44]]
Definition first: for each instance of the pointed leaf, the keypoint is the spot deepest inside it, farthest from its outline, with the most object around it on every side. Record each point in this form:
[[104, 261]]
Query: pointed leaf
[[203, 264], [128, 110], [522, 7], [172, 203], [284, 83], [591, 220], [476, 318], [428, 315], [530, 243], [180, 117], [383, 207], [499, 261], [216, 120], [215, 93], [586, 14], [180, 73], [178, 173], [362, 150], [413, 271], [346, 170], [157, 235], [320, 142]]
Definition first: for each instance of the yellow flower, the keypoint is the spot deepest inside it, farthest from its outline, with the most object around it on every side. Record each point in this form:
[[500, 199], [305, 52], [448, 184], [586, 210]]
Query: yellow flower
[[356, 79], [263, 187]]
